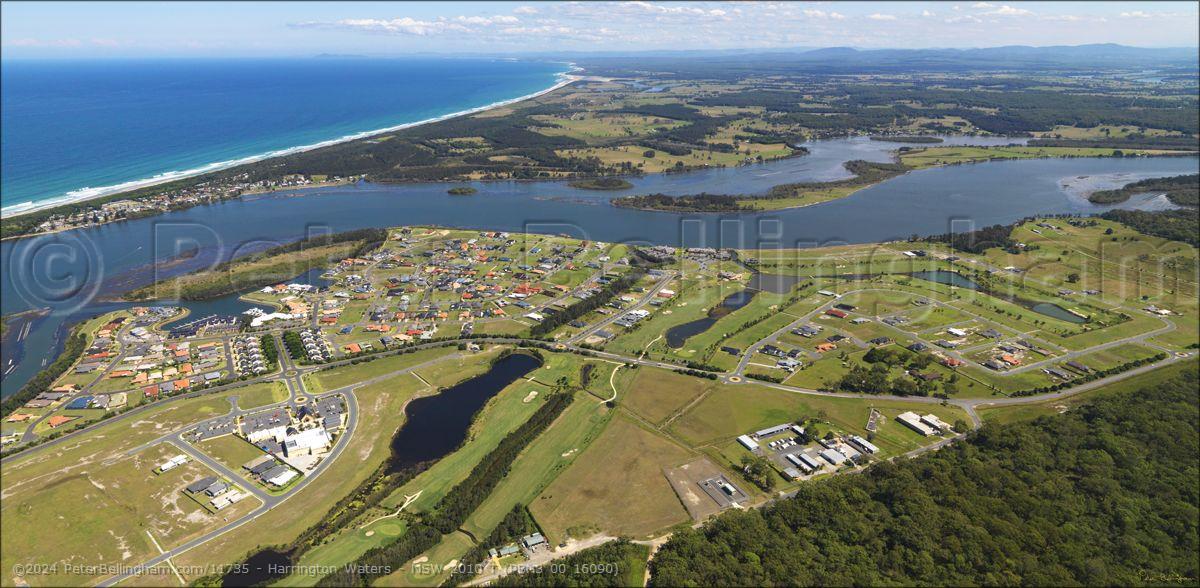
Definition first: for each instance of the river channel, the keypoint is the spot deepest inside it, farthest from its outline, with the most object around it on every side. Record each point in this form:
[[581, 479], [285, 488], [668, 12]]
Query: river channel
[[74, 273]]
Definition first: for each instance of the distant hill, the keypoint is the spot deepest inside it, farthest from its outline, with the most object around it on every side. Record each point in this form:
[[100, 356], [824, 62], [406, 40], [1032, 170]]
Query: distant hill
[[1065, 58]]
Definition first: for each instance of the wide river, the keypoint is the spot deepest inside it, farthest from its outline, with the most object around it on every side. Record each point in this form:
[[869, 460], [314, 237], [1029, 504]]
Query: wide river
[[74, 272]]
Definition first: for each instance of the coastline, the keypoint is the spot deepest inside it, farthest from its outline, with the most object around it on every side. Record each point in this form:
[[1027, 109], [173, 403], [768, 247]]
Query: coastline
[[84, 194]]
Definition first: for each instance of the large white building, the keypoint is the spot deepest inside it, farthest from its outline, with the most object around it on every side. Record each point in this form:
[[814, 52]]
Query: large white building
[[307, 442], [912, 421]]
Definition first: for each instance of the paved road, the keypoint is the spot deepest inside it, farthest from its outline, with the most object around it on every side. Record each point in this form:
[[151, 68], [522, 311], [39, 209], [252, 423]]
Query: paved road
[[292, 376], [269, 501], [643, 301], [296, 386], [1142, 338], [122, 351]]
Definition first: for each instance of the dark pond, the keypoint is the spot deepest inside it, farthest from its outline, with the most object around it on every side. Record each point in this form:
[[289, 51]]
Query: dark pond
[[1045, 308], [678, 334], [948, 278], [434, 426], [1058, 312], [773, 283]]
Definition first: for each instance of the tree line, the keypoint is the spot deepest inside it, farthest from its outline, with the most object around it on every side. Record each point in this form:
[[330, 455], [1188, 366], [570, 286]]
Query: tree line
[[41, 381], [1182, 190], [604, 296], [1105, 494], [455, 506]]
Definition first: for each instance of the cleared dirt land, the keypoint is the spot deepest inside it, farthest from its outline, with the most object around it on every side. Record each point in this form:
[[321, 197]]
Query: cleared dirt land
[[616, 485]]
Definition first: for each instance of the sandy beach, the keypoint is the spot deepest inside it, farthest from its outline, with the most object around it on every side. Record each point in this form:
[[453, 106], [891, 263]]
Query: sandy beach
[[85, 194]]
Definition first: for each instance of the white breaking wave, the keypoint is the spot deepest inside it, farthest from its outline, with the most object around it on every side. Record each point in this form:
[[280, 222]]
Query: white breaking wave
[[88, 193]]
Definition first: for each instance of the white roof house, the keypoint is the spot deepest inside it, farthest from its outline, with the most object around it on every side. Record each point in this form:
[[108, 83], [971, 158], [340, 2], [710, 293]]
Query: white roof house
[[935, 422], [173, 463], [266, 433], [282, 477], [863, 444], [912, 421], [747, 442]]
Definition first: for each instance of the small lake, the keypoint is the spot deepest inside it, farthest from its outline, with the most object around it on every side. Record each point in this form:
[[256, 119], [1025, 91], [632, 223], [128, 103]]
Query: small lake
[[759, 282], [434, 426], [948, 278], [958, 280], [676, 336], [773, 283], [1058, 312]]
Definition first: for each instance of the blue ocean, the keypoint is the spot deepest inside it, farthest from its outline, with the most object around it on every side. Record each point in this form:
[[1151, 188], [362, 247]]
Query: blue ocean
[[72, 129]]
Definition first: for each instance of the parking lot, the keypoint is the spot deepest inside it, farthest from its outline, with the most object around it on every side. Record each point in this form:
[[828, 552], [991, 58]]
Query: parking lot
[[213, 428]]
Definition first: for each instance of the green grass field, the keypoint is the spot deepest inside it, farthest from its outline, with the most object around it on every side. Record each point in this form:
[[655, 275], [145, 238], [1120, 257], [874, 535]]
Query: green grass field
[[656, 394], [551, 453], [616, 486], [127, 504], [256, 395], [339, 377], [1021, 412], [231, 450], [731, 410], [934, 156]]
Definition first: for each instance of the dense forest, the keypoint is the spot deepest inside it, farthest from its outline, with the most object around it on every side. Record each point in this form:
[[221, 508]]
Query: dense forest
[[616, 563], [865, 174], [979, 240], [1105, 494], [1176, 225], [1182, 190], [686, 203]]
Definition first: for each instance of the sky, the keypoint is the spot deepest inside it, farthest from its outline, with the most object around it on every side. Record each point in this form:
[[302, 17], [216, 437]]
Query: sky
[[272, 29]]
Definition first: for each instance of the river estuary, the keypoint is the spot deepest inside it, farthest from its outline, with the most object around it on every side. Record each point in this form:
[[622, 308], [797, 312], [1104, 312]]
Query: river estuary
[[76, 274]]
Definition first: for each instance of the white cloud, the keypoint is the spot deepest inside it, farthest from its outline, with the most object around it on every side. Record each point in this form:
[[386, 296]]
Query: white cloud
[[663, 9], [406, 25], [1064, 17], [44, 43], [1009, 11], [403, 25], [487, 20], [717, 24]]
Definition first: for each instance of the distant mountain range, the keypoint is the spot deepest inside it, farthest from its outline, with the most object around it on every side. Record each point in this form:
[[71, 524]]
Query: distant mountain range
[[1097, 54], [1174, 60]]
